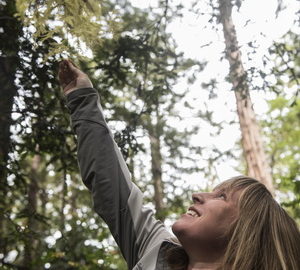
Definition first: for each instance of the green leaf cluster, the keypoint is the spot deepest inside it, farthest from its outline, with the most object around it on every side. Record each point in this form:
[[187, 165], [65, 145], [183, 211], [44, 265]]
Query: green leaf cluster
[[81, 24], [282, 122]]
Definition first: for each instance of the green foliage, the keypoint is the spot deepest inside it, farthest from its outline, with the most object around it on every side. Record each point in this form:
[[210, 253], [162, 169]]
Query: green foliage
[[283, 133], [65, 23], [282, 124], [286, 70]]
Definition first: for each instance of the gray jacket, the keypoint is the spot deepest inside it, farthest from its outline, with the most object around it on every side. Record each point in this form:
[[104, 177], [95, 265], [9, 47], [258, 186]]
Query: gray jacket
[[142, 239]]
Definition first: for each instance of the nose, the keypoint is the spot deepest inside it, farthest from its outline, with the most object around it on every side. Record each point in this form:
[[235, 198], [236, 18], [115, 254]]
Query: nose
[[198, 198]]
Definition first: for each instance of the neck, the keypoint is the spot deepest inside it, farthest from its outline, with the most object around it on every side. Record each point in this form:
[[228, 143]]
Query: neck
[[204, 259]]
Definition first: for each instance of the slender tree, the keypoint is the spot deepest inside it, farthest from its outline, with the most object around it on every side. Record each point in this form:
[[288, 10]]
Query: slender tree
[[31, 243], [257, 162], [156, 165]]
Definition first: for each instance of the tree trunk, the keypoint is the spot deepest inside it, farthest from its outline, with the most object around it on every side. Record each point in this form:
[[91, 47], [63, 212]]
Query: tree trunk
[[131, 165], [8, 64], [156, 168], [257, 164], [63, 202], [7, 92], [31, 242]]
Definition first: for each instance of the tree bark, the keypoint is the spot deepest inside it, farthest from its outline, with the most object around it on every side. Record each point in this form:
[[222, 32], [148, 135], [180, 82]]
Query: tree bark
[[7, 92], [257, 163], [8, 64], [63, 202], [156, 167], [31, 242]]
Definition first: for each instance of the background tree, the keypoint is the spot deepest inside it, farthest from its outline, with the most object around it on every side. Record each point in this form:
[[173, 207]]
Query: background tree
[[257, 162], [8, 63], [219, 13]]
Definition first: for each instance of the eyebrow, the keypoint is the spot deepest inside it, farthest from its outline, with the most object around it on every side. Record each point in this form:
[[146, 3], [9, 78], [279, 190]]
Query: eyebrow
[[229, 192], [220, 189]]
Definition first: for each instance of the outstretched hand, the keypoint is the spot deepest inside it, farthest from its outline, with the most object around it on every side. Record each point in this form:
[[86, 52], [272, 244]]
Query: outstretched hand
[[72, 78]]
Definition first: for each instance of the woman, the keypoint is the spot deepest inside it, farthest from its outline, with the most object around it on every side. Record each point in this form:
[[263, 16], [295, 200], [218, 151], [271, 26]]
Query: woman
[[237, 226]]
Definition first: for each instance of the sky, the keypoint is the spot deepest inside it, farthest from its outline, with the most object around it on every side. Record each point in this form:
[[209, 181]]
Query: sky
[[255, 21]]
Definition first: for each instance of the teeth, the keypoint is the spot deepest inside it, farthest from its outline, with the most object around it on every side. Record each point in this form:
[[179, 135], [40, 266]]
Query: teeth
[[192, 213]]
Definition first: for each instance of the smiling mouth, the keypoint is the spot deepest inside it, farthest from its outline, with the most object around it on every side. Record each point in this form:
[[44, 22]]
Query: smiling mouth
[[192, 213]]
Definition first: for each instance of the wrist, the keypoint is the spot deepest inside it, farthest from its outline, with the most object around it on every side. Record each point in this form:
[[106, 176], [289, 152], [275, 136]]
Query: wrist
[[80, 86]]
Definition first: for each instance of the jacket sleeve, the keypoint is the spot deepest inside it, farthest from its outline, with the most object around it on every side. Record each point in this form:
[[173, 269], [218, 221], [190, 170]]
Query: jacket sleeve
[[115, 198]]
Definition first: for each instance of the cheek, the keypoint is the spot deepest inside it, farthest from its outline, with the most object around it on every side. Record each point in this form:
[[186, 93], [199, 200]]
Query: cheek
[[219, 213]]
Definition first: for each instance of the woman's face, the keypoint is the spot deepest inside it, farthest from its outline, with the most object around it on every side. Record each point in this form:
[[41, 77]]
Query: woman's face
[[208, 220]]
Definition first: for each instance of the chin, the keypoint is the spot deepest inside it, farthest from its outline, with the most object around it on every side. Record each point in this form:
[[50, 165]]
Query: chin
[[174, 228], [179, 227]]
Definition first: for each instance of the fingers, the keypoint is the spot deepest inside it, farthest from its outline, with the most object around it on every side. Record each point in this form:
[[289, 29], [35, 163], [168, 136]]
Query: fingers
[[63, 73], [63, 66], [70, 76], [69, 66], [66, 73], [72, 63], [73, 68]]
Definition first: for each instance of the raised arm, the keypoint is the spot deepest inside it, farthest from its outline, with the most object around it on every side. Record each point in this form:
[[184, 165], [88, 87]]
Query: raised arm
[[116, 199]]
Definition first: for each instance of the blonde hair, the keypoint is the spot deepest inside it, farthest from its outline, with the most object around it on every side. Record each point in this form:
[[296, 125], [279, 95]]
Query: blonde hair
[[264, 236]]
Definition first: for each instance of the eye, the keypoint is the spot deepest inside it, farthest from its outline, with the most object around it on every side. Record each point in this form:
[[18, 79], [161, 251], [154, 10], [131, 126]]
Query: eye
[[222, 195]]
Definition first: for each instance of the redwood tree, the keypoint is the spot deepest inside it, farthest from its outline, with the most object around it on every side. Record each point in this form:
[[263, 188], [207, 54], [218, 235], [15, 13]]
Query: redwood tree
[[257, 163]]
